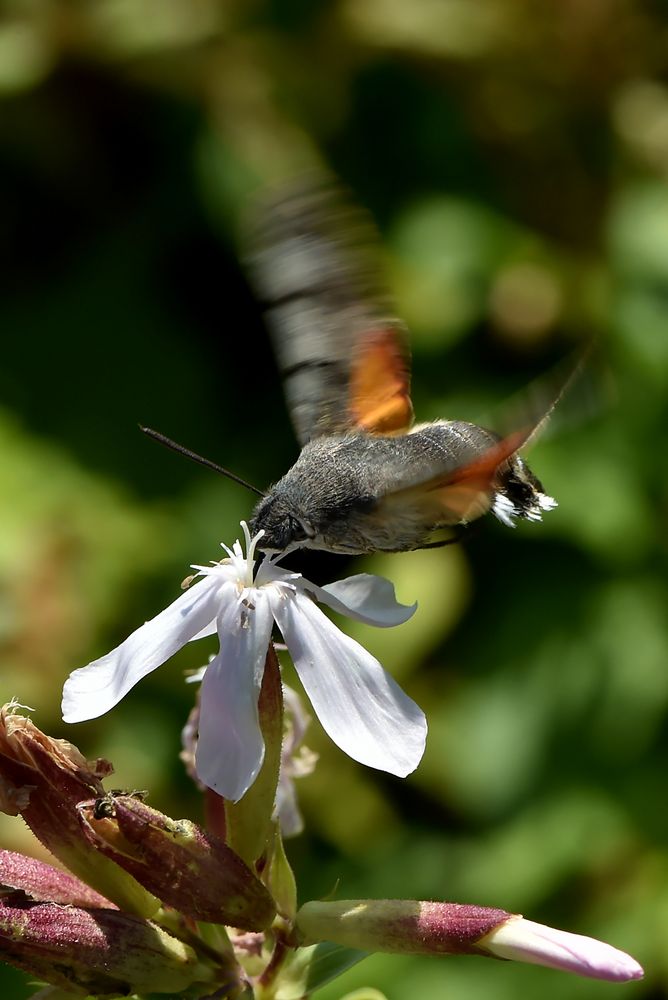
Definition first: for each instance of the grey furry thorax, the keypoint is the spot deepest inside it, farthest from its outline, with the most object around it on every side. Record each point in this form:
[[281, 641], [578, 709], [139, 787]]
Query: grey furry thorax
[[357, 493]]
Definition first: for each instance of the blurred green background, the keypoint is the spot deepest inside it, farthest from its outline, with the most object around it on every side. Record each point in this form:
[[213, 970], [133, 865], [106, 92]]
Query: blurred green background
[[514, 154]]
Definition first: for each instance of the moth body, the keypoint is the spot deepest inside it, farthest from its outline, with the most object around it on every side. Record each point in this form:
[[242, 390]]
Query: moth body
[[366, 478], [356, 493]]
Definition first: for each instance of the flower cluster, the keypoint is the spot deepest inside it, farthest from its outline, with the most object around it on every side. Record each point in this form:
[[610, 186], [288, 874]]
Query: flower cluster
[[154, 905], [161, 906]]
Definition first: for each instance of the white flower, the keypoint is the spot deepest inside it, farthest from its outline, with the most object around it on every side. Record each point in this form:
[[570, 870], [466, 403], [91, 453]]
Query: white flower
[[362, 708]]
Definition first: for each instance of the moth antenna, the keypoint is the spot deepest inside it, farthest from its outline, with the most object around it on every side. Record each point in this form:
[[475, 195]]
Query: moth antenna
[[182, 450]]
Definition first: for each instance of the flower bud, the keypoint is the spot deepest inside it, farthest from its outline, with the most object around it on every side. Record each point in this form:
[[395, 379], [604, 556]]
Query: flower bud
[[95, 951], [397, 925], [423, 928], [191, 870], [43, 883], [43, 780]]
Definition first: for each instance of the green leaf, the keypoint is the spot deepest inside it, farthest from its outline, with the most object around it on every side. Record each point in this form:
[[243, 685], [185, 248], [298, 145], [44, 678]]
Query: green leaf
[[315, 966]]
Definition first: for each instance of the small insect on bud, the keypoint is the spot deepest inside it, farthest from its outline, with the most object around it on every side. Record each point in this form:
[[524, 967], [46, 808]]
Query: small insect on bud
[[189, 869]]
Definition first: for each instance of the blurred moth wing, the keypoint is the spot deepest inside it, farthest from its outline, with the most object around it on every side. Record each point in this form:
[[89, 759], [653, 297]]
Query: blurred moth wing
[[379, 390], [463, 494], [365, 480], [343, 356]]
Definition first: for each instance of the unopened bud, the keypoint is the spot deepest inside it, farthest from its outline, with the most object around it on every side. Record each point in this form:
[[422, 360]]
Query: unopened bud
[[45, 884], [397, 925], [189, 869], [423, 928], [95, 951]]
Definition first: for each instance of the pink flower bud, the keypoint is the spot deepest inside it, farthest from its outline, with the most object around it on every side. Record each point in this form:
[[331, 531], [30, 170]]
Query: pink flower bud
[[191, 870], [43, 883], [397, 925], [95, 951], [423, 928]]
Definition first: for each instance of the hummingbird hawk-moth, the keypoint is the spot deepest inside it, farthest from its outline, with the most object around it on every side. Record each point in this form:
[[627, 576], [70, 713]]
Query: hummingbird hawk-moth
[[367, 478]]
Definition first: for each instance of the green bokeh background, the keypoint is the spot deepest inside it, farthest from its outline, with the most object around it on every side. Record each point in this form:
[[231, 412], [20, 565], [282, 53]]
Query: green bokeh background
[[514, 154]]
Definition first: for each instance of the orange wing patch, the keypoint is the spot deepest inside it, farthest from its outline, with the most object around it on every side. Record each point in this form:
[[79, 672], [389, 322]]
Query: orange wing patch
[[466, 493], [380, 401]]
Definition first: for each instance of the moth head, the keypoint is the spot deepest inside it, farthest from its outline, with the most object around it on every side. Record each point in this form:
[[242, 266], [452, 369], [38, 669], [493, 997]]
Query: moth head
[[284, 528]]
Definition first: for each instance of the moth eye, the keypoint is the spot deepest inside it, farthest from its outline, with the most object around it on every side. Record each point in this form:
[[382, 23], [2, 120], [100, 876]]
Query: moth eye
[[301, 530]]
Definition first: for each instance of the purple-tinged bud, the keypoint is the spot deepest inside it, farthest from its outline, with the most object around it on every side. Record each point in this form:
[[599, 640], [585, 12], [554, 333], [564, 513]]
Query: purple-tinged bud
[[95, 951], [191, 870], [45, 884], [525, 941], [423, 928], [43, 780], [403, 926]]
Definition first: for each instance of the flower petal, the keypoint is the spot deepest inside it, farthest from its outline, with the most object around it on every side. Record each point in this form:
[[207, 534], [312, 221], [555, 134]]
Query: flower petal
[[526, 941], [359, 705], [92, 690], [209, 629], [366, 598], [230, 749]]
